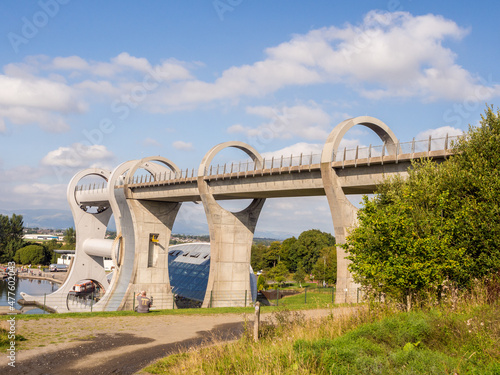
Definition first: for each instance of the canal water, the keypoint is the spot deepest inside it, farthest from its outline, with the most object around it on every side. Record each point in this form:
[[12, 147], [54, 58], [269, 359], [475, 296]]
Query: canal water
[[29, 286]]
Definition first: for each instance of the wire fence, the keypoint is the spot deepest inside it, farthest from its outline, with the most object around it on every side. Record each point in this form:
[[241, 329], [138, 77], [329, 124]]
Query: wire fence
[[89, 301]]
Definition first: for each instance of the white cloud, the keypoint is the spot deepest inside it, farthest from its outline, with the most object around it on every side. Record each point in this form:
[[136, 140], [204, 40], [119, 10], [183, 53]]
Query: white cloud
[[38, 93], [387, 55], [286, 217], [33, 100], [184, 146], [78, 155], [439, 132], [40, 195], [70, 63], [304, 121], [295, 150], [148, 142], [135, 63]]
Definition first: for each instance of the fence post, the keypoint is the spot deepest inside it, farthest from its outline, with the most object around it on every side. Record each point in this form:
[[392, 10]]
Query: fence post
[[245, 298], [133, 301], [277, 296], [211, 294], [256, 322]]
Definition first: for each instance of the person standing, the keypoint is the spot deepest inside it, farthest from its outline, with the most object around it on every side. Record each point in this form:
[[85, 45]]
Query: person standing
[[143, 302]]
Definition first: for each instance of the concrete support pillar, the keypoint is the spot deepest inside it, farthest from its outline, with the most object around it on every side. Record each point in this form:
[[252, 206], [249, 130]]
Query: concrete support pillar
[[153, 222], [344, 214], [231, 237]]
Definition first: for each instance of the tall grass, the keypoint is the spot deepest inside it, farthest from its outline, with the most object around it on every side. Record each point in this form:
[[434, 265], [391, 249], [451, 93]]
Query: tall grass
[[462, 335]]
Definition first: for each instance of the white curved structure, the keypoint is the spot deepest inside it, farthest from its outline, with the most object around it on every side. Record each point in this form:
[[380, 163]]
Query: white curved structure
[[145, 208]]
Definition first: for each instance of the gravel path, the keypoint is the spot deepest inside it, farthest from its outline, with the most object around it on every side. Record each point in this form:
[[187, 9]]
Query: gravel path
[[121, 345]]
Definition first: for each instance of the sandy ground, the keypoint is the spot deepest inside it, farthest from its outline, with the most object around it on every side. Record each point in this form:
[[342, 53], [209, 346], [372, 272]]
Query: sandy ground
[[120, 345]]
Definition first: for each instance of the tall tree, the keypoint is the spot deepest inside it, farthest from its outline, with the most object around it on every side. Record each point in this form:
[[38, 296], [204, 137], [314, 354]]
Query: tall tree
[[441, 225], [70, 237], [11, 236], [325, 267]]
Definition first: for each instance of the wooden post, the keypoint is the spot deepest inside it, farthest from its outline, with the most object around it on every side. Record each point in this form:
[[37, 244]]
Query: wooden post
[[256, 322]]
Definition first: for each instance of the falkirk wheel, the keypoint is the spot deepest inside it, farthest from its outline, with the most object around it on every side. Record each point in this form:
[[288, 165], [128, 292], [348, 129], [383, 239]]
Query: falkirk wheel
[[140, 252]]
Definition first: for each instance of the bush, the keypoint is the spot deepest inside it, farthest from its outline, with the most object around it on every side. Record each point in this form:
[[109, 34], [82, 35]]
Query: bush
[[32, 254]]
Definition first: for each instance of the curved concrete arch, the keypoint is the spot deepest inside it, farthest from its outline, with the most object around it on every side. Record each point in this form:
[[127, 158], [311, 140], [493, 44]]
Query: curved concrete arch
[[150, 167], [84, 266], [124, 243], [344, 213], [231, 236], [209, 156], [335, 137]]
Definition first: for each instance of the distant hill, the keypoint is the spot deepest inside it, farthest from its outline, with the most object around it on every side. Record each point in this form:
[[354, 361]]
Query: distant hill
[[43, 218]]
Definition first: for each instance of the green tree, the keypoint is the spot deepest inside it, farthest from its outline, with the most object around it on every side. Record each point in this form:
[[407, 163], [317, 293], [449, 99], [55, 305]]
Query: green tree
[[300, 275], [278, 273], [440, 225], [257, 256], [11, 236], [70, 237], [261, 282], [325, 268], [289, 247], [33, 254], [272, 255], [308, 248]]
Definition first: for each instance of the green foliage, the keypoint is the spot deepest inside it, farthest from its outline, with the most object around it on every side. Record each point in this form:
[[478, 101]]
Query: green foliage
[[278, 273], [70, 237], [300, 275], [462, 339], [292, 251], [416, 342], [310, 243], [439, 226], [11, 236], [257, 257], [261, 282], [326, 265], [33, 254]]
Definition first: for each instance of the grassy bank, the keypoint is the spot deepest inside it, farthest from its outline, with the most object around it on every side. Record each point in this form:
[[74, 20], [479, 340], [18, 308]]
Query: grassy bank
[[462, 338]]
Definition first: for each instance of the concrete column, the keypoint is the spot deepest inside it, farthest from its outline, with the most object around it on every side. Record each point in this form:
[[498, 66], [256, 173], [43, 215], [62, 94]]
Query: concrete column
[[344, 214], [231, 237], [152, 223]]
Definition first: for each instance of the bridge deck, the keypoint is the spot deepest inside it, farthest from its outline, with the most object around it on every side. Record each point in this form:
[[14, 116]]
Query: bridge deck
[[359, 176]]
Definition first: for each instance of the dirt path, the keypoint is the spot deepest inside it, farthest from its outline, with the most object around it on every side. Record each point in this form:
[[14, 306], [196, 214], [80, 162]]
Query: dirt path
[[120, 345]]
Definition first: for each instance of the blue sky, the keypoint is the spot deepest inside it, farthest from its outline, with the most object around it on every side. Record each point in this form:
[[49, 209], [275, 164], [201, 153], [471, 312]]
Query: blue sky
[[98, 83]]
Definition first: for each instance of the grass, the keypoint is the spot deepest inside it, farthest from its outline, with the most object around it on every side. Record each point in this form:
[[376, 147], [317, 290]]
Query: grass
[[459, 338], [5, 340], [316, 298]]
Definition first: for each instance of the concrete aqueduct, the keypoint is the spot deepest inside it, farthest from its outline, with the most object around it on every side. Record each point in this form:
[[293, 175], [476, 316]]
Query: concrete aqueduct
[[145, 211]]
